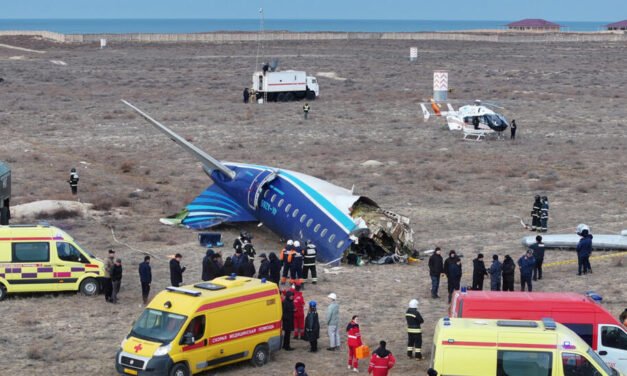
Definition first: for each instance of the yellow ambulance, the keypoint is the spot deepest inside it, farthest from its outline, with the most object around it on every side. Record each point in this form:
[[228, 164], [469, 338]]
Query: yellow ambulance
[[190, 329], [43, 258], [477, 347]]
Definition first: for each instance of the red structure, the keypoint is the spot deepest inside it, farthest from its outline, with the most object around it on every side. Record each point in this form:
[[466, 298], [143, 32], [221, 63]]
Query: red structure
[[620, 25], [533, 24]]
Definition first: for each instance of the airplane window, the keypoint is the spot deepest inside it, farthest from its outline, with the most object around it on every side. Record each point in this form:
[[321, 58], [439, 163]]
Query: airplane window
[[303, 217], [331, 238], [265, 194], [309, 222], [340, 243], [295, 213], [281, 201], [323, 233], [273, 198], [288, 207], [317, 227]]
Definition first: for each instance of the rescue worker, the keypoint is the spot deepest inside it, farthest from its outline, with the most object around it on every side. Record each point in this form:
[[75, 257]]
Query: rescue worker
[[264, 268], [414, 333], [288, 319], [249, 249], [309, 263], [176, 270], [333, 320], [478, 272], [295, 259], [283, 256], [299, 369], [116, 280], [73, 181], [436, 269], [381, 361], [526, 263], [275, 268], [584, 250], [306, 109], [538, 254], [107, 284], [353, 341], [145, 278], [544, 214], [535, 214], [299, 312], [241, 240], [453, 271], [312, 327], [512, 129], [495, 271], [509, 269]]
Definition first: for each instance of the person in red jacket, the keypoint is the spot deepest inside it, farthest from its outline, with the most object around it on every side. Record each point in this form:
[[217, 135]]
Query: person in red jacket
[[353, 342], [299, 312], [381, 361]]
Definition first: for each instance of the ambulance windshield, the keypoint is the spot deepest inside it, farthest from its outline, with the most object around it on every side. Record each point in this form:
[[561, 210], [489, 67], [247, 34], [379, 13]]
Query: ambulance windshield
[[601, 364], [158, 326]]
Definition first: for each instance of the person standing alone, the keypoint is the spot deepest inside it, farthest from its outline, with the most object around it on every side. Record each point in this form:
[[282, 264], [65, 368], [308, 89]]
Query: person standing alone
[[538, 254], [584, 250], [436, 268], [306, 109], [73, 181], [512, 129], [145, 277], [116, 280], [333, 320], [414, 333], [176, 271]]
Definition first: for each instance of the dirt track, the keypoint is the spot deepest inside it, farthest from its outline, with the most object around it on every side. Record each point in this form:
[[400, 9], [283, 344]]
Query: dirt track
[[568, 100]]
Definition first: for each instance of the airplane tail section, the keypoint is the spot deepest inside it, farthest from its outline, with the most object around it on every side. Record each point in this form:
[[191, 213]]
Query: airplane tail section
[[211, 208]]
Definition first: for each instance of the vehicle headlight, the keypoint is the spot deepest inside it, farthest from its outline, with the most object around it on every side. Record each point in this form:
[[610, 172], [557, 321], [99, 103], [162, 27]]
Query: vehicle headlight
[[163, 350], [123, 342]]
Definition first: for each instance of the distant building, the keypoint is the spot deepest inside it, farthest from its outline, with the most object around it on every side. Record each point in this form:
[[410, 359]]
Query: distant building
[[533, 24], [620, 25]]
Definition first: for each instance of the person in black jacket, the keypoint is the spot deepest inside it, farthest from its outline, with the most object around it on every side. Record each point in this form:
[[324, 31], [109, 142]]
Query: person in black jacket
[[240, 262], [453, 271], [228, 267], [512, 129], [536, 211], [209, 268], [275, 268], [312, 327], [264, 267], [414, 333], [145, 277], [436, 268], [249, 268], [288, 319], [478, 272], [509, 268], [495, 272], [116, 280], [538, 254], [176, 271]]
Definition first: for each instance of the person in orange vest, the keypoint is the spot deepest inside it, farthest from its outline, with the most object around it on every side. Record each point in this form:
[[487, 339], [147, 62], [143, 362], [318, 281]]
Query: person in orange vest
[[353, 342], [283, 257], [299, 312], [381, 361]]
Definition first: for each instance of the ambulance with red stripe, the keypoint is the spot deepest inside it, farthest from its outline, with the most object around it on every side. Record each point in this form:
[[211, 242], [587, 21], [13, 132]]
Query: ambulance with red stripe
[[190, 329], [484, 347], [43, 258]]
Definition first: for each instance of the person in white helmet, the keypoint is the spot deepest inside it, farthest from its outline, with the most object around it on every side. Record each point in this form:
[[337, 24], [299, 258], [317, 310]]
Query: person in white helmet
[[296, 264], [414, 333], [285, 259], [333, 320]]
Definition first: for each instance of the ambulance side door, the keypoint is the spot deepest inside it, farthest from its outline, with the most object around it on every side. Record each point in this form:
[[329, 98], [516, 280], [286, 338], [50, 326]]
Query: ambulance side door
[[27, 271], [195, 344], [69, 266], [612, 346]]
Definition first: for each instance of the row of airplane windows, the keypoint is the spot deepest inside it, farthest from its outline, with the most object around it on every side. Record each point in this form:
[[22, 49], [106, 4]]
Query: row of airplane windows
[[303, 217]]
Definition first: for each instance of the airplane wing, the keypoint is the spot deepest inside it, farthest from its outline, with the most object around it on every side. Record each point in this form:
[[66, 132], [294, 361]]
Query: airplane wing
[[208, 161], [210, 208]]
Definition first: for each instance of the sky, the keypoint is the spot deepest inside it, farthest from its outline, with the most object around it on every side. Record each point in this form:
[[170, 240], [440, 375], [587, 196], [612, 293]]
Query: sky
[[556, 10]]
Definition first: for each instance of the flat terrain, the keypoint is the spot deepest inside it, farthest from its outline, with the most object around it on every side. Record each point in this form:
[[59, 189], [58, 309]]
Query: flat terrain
[[568, 100]]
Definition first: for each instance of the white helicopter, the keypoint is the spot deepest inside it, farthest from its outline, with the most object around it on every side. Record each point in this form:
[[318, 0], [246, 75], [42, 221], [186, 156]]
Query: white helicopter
[[476, 120]]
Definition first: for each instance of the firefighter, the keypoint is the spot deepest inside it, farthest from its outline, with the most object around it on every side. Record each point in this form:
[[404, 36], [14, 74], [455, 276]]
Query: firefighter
[[309, 263], [306, 109], [299, 312], [241, 240], [414, 333], [381, 361], [73, 181], [285, 260], [538, 254], [544, 214], [296, 263], [535, 214]]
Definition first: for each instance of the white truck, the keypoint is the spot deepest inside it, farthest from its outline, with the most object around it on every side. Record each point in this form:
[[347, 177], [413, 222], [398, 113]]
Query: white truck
[[284, 86]]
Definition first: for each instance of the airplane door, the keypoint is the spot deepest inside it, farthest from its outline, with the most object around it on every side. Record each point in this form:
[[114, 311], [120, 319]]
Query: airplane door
[[256, 187], [612, 346]]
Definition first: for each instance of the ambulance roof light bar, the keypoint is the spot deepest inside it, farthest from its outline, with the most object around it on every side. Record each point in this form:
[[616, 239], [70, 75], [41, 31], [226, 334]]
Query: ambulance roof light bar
[[517, 324], [549, 323], [183, 291]]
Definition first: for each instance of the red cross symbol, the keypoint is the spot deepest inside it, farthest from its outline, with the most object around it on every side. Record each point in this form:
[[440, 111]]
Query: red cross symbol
[[138, 348]]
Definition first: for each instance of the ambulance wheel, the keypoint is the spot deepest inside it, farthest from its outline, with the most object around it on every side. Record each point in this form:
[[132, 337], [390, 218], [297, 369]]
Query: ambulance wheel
[[260, 355], [289, 97], [280, 97], [179, 369], [3, 292], [89, 287], [311, 95]]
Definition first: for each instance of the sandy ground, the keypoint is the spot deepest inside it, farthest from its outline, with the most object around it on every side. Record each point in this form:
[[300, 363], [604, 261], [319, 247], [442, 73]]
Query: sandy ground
[[568, 100]]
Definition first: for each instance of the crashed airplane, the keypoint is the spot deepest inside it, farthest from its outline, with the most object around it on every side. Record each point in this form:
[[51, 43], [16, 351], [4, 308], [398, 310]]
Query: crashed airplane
[[292, 205]]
